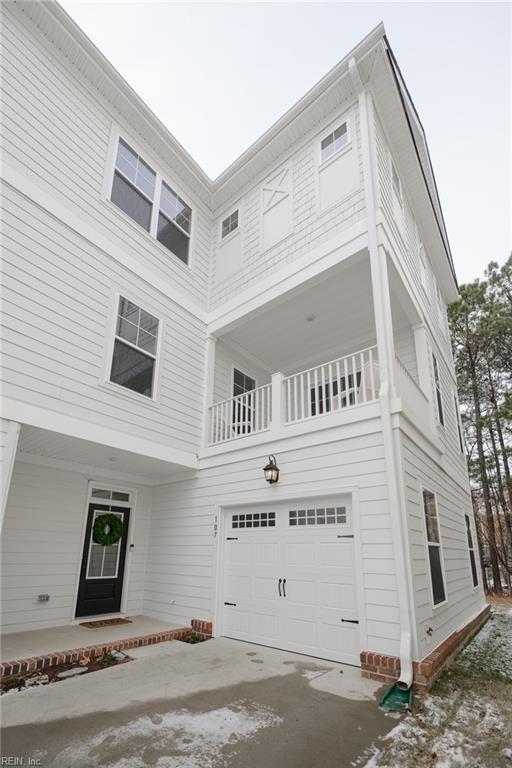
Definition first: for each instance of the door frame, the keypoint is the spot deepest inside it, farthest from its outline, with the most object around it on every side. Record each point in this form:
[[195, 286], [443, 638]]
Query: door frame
[[128, 559], [219, 532]]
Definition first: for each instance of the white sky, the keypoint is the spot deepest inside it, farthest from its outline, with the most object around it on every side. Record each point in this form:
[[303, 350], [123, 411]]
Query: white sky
[[219, 74]]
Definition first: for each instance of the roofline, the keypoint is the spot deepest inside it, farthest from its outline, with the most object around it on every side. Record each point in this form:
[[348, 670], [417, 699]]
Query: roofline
[[401, 87], [341, 68]]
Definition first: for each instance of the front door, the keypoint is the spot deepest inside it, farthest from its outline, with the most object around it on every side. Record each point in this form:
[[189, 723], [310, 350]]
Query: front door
[[101, 575]]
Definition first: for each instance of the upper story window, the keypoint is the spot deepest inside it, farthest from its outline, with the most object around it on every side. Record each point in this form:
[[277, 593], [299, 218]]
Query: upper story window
[[397, 188], [174, 223], [423, 269], [230, 224], [459, 425], [155, 206], [133, 188], [242, 383], [135, 348], [434, 548], [334, 141], [439, 396], [471, 548]]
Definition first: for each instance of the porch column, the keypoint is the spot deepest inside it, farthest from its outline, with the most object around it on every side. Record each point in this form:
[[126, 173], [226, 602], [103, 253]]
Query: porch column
[[10, 431], [423, 363], [278, 403], [209, 387]]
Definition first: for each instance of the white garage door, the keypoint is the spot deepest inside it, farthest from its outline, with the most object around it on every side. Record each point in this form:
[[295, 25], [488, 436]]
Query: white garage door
[[289, 579]]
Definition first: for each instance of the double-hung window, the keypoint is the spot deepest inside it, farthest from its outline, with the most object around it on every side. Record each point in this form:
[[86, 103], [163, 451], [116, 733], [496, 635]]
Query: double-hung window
[[135, 348], [230, 224], [434, 548], [471, 548], [147, 199], [334, 141], [439, 396]]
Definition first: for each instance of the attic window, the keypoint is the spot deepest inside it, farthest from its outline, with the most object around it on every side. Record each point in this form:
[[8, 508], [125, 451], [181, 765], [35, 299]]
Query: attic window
[[334, 142], [230, 224]]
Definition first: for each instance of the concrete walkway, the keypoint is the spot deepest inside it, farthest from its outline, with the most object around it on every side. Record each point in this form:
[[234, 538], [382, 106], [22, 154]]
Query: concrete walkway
[[22, 645], [218, 704]]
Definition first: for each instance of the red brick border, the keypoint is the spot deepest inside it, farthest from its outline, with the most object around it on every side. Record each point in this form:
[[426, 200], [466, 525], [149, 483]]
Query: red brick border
[[22, 666], [386, 669]]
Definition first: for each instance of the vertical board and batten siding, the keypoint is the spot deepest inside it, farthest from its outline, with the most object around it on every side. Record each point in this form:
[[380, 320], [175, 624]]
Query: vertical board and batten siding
[[225, 361], [310, 225], [42, 547], [180, 564], [57, 304], [56, 132], [453, 502]]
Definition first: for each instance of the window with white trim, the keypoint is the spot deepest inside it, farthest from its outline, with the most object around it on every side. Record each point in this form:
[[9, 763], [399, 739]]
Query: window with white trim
[[335, 141], [434, 548], [254, 520], [135, 348], [471, 549], [320, 516], [397, 188], [230, 224], [423, 269], [439, 395], [106, 493], [459, 423], [155, 206]]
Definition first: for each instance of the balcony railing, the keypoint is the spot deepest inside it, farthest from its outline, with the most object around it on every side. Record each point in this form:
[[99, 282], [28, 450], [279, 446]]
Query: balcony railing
[[347, 382]]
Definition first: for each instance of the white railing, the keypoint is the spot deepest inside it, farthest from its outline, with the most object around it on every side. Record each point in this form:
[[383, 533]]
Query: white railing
[[241, 415], [344, 383]]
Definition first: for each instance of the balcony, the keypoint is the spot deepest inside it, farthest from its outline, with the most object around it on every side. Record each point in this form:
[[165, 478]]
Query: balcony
[[345, 383]]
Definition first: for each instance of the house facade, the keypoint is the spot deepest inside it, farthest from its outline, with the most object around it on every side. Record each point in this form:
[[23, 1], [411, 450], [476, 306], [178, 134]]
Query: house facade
[[164, 334]]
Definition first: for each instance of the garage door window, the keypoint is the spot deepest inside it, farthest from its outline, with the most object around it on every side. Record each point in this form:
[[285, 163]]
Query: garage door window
[[254, 520], [321, 516]]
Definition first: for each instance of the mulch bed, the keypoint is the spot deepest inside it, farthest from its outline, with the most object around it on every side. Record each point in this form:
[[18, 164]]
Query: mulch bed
[[50, 675]]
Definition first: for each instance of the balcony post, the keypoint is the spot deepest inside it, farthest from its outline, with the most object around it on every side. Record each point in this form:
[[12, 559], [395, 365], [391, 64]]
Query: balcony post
[[278, 403]]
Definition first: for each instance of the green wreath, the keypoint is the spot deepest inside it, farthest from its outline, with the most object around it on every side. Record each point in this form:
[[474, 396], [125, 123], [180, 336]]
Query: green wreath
[[107, 530]]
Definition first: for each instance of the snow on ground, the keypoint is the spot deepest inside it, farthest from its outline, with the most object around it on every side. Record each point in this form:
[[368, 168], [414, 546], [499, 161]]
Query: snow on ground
[[176, 739], [467, 720]]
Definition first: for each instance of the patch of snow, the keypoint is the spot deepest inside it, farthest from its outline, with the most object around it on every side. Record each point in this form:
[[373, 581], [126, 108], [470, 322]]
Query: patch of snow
[[175, 739]]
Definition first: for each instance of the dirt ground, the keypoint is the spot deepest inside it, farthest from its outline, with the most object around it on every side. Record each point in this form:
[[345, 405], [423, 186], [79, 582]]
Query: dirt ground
[[467, 721]]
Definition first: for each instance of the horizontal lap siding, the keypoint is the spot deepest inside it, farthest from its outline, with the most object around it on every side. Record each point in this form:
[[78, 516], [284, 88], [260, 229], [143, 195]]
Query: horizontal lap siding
[[225, 361], [452, 504], [181, 538], [57, 132], [42, 547], [57, 297], [311, 227]]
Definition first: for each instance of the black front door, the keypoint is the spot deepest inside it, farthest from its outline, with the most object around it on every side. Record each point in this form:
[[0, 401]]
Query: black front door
[[101, 575]]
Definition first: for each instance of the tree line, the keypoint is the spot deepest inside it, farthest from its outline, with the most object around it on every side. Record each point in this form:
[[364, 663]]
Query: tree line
[[481, 329]]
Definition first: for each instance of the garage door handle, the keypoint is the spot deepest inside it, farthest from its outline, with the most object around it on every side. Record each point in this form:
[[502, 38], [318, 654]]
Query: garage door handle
[[350, 621], [279, 587], [235, 605], [284, 587]]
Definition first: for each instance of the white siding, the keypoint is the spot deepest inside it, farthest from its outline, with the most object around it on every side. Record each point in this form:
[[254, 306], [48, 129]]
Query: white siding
[[42, 547], [453, 502], [310, 225], [405, 350], [225, 361], [57, 301], [181, 539]]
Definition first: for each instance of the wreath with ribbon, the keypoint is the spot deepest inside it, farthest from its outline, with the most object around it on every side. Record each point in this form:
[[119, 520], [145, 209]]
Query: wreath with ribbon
[[107, 529]]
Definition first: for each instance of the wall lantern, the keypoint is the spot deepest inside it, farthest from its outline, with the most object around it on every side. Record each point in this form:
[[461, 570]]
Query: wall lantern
[[271, 470]]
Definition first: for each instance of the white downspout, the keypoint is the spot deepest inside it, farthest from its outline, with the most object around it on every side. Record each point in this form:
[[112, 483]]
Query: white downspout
[[385, 346]]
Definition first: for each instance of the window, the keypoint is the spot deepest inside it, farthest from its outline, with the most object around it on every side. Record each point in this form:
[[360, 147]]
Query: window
[[174, 223], [423, 269], [459, 425], [440, 309], [133, 187], [230, 224], [164, 214], [254, 520], [104, 493], [322, 516], [242, 383], [334, 141], [243, 407], [434, 548], [439, 396], [135, 347], [474, 572], [397, 189]]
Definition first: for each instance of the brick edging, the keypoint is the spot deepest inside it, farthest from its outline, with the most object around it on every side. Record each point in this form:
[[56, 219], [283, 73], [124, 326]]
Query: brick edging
[[202, 628], [34, 663], [386, 669]]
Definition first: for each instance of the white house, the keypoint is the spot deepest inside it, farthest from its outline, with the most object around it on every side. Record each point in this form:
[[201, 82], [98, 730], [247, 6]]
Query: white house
[[164, 334]]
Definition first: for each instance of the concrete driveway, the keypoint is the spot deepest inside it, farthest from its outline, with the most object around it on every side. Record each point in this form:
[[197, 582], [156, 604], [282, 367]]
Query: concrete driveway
[[218, 704]]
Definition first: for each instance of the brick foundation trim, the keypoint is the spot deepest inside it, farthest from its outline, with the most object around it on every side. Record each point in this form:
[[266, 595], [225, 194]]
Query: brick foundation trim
[[386, 669], [202, 628], [22, 666]]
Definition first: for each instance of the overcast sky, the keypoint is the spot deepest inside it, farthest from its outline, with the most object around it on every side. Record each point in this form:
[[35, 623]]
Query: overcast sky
[[219, 74]]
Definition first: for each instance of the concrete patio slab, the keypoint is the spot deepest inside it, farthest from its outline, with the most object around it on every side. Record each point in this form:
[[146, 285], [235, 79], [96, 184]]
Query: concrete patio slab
[[217, 704]]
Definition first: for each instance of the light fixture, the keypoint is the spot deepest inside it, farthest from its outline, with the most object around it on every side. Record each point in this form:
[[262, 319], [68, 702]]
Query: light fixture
[[271, 470]]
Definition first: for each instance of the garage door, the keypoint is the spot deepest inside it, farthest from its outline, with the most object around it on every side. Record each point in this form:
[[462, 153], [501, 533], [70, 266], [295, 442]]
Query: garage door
[[289, 579]]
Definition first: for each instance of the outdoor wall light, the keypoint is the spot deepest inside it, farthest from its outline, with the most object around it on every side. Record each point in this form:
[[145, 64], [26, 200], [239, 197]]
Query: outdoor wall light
[[271, 470]]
